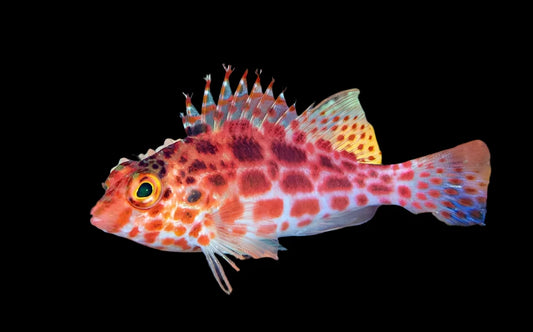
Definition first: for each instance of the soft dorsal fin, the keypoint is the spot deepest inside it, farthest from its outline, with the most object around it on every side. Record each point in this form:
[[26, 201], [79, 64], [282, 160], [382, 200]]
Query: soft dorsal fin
[[257, 106], [341, 121]]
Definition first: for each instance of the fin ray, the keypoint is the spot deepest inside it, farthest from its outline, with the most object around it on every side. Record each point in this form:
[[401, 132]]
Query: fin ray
[[340, 120]]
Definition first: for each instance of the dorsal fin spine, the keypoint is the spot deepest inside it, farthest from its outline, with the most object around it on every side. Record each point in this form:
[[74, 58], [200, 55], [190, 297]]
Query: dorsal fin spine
[[241, 94]]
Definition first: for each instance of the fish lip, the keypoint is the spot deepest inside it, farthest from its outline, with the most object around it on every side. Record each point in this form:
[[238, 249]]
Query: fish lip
[[97, 222]]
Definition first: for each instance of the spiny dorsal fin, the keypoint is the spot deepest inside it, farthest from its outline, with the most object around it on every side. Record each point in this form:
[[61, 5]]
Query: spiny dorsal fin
[[341, 121], [257, 106]]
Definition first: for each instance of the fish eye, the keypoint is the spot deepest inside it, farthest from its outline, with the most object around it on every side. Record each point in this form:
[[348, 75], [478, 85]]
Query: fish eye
[[144, 190]]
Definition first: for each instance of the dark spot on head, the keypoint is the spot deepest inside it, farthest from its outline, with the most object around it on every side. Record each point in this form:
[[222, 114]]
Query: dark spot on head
[[217, 180], [190, 180], [167, 193], [155, 166], [194, 196], [197, 165], [182, 160], [247, 149]]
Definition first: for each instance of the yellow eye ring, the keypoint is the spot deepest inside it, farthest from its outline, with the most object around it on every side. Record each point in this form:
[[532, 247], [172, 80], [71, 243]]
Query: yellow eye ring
[[144, 190]]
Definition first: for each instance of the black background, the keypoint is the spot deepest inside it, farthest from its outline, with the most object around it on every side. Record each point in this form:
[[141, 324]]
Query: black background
[[428, 81]]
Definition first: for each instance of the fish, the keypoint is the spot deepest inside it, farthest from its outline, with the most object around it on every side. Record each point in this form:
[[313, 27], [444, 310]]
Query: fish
[[251, 170]]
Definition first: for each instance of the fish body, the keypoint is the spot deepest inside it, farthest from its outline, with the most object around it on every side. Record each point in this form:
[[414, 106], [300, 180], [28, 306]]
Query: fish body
[[251, 171]]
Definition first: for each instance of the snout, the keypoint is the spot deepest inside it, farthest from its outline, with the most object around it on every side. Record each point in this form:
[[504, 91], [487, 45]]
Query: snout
[[112, 219]]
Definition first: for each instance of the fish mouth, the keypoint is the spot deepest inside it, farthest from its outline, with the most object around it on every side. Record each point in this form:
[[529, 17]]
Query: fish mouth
[[98, 222]]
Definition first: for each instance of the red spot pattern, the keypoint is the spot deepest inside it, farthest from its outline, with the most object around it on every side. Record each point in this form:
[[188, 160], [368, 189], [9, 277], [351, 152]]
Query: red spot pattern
[[295, 182], [361, 199], [339, 203], [407, 176], [404, 191], [303, 223], [305, 206], [254, 182], [379, 189], [268, 209], [334, 183]]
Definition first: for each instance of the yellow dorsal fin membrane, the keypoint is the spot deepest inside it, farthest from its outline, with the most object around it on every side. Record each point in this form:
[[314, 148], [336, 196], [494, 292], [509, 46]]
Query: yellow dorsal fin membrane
[[341, 121]]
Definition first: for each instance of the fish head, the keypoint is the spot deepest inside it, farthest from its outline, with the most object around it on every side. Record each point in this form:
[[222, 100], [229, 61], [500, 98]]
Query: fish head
[[147, 201], [133, 191]]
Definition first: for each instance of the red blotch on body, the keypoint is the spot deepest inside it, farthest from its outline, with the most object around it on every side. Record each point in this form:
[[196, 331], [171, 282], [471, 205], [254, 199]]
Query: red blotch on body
[[266, 229], [254, 182], [180, 230], [407, 176], [404, 191], [430, 205], [195, 230], [268, 209], [182, 243], [361, 199], [284, 225], [422, 185], [451, 191], [294, 182], [334, 183], [203, 240], [379, 189], [167, 241], [231, 210], [421, 196], [339, 203], [303, 223], [305, 206], [466, 202], [434, 193]]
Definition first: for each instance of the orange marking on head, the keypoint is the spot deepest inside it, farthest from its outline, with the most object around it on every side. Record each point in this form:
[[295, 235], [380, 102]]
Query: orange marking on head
[[150, 237], [134, 231], [154, 225], [122, 219], [156, 210], [268, 208], [231, 210], [305, 206], [186, 216]]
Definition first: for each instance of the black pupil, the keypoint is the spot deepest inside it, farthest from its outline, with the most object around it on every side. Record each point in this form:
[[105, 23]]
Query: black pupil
[[145, 190]]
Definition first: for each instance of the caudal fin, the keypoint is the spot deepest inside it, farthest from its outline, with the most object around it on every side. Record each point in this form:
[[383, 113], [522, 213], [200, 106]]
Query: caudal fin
[[452, 184]]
